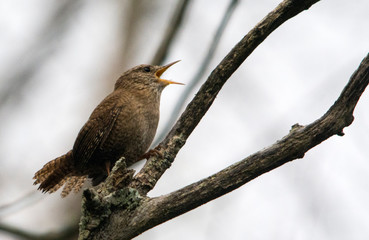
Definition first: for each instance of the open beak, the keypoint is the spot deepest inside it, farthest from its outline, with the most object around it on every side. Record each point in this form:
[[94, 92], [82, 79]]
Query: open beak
[[162, 70]]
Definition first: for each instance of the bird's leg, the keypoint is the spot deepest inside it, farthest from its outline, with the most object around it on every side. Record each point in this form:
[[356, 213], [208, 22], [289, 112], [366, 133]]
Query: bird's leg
[[152, 152], [107, 166]]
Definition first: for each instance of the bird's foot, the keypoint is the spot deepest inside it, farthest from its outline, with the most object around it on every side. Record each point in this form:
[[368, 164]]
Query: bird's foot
[[152, 152], [107, 167]]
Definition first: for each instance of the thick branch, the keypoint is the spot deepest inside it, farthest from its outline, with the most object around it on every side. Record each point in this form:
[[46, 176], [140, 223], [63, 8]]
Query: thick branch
[[155, 167], [154, 211]]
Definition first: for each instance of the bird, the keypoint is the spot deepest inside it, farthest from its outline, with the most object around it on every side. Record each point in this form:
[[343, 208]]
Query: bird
[[122, 125]]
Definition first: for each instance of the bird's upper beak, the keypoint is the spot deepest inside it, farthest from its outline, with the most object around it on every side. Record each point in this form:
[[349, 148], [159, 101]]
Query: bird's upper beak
[[162, 70]]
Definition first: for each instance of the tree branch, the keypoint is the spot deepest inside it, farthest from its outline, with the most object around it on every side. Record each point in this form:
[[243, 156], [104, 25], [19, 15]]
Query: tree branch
[[66, 233], [201, 71], [30, 61], [154, 168], [154, 211], [171, 31], [291, 147]]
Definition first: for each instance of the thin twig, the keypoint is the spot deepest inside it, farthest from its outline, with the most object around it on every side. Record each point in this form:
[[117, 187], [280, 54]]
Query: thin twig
[[29, 62], [201, 71], [65, 233], [20, 203], [170, 33]]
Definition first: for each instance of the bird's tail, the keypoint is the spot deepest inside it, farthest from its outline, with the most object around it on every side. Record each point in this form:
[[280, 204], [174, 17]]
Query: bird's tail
[[58, 172]]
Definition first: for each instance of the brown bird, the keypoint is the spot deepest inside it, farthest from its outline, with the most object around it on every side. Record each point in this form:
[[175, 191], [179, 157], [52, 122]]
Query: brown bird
[[122, 125]]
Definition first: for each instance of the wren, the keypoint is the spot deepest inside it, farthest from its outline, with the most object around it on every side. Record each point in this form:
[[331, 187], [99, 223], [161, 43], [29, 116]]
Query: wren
[[122, 125]]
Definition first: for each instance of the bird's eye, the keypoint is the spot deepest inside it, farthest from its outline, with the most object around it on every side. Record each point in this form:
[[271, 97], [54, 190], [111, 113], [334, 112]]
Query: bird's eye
[[147, 69]]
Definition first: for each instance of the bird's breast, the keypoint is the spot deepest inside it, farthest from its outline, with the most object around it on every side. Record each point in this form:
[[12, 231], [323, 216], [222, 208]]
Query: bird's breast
[[135, 130]]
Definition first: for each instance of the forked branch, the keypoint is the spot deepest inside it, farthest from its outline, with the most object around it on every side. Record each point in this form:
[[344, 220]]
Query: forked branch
[[127, 212], [197, 108], [154, 211]]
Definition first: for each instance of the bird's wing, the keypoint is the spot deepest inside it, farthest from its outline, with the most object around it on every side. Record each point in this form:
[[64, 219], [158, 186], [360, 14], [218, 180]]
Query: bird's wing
[[94, 133]]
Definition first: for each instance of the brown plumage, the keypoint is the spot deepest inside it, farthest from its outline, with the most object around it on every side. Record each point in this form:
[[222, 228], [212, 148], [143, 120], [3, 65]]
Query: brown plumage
[[122, 125]]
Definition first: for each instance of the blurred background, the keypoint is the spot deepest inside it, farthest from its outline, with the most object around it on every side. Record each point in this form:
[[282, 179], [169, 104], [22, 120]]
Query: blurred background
[[59, 59]]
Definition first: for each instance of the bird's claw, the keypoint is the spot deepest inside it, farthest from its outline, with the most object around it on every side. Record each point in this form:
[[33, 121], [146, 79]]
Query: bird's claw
[[153, 152]]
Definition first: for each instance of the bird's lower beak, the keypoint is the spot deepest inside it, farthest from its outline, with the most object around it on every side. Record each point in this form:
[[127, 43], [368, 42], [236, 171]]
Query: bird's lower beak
[[162, 70]]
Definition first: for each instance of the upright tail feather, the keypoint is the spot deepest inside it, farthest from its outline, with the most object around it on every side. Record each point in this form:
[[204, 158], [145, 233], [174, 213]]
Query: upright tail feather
[[58, 172]]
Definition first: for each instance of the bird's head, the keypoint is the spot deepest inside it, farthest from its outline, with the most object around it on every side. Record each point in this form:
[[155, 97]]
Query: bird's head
[[145, 76]]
